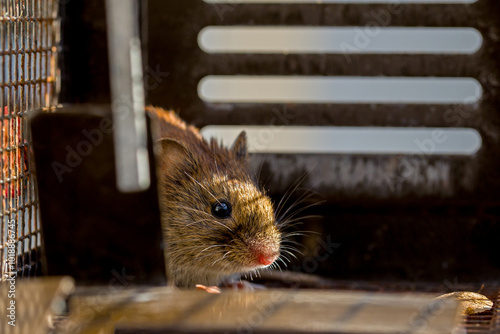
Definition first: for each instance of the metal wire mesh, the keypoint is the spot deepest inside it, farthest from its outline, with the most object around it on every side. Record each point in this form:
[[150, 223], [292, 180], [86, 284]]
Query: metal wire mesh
[[29, 38]]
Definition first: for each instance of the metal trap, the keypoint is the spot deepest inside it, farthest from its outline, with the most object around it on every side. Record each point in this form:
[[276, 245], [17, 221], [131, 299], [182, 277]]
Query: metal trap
[[385, 110]]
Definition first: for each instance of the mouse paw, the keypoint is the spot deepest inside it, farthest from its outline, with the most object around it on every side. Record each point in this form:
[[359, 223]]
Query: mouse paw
[[209, 289]]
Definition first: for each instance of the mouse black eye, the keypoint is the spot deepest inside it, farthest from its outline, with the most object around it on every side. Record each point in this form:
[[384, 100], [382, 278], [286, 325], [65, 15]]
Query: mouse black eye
[[221, 209]]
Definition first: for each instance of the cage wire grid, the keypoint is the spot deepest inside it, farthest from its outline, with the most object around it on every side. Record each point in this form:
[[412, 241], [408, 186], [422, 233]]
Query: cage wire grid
[[29, 39]]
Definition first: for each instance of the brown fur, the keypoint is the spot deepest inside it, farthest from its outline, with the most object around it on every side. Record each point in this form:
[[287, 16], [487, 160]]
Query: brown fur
[[193, 175]]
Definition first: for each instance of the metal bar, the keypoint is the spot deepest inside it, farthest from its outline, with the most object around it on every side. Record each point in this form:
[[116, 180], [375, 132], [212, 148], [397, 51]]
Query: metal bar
[[127, 95]]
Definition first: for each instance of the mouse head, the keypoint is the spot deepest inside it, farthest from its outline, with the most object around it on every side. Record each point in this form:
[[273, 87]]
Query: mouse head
[[217, 221]]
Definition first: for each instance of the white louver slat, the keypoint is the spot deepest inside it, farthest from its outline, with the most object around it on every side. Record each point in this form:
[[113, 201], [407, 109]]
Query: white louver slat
[[369, 39], [260, 89]]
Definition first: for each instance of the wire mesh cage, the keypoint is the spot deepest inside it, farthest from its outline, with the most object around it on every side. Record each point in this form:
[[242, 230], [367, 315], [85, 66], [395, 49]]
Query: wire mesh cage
[[29, 38]]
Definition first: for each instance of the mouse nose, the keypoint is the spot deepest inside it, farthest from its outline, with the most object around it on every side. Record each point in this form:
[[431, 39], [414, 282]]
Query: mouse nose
[[264, 254], [267, 259]]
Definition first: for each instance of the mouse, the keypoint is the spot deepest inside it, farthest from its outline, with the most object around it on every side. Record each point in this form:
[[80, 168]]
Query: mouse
[[217, 222]]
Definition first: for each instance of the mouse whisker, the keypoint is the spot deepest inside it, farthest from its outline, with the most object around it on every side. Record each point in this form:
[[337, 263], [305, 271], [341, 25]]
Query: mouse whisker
[[264, 156], [213, 263], [262, 163], [291, 234], [212, 247], [199, 221], [212, 221], [222, 258], [217, 222], [258, 272], [195, 210], [285, 245], [292, 250], [281, 259], [288, 241], [211, 254], [182, 250], [285, 224], [201, 185], [290, 218], [286, 197], [263, 186], [199, 257], [288, 221], [283, 217], [288, 251], [289, 192], [311, 191], [180, 254], [301, 233], [307, 194], [279, 267], [207, 219], [181, 241], [301, 199]]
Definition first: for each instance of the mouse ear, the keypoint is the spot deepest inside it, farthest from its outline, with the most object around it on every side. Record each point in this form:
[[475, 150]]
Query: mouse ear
[[171, 154], [240, 146]]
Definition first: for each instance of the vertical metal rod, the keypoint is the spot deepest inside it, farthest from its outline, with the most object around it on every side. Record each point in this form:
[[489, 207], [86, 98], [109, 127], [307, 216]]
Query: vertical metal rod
[[127, 94]]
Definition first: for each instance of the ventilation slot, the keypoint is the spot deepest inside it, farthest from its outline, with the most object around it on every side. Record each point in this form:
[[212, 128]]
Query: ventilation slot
[[351, 140], [286, 89], [384, 91], [368, 39]]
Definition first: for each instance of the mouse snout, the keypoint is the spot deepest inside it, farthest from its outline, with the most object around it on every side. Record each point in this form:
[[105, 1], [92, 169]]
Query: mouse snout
[[264, 254], [267, 259]]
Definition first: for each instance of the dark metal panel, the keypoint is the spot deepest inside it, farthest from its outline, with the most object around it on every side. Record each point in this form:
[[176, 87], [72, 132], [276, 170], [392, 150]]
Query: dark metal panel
[[425, 218], [84, 62], [92, 231]]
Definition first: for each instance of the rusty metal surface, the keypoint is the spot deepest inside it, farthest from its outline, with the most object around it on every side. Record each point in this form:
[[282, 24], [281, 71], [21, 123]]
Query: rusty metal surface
[[29, 37]]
